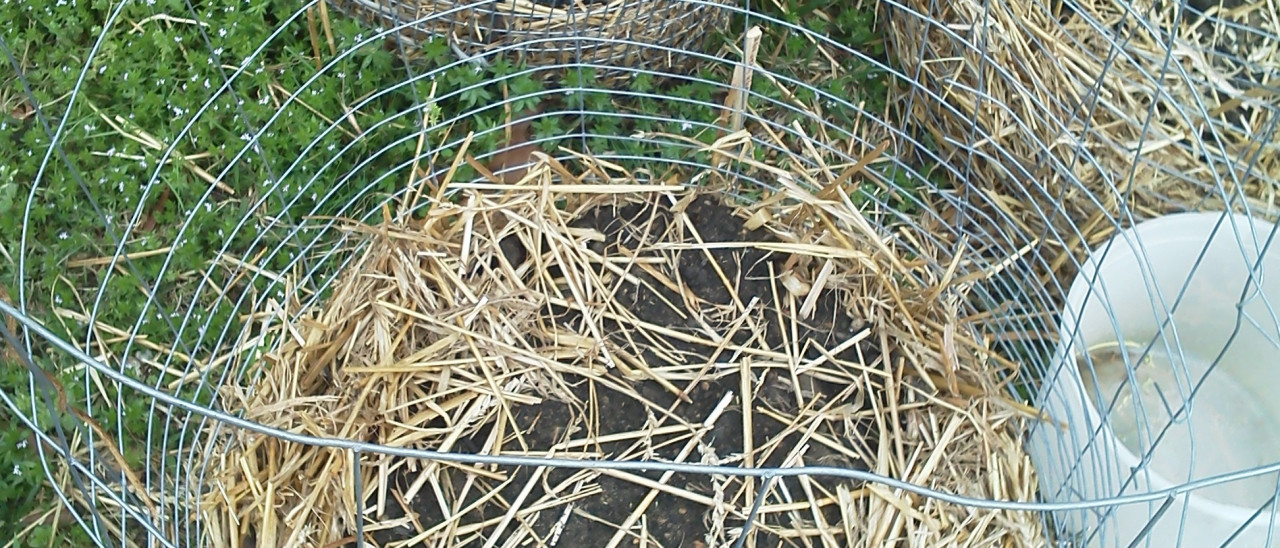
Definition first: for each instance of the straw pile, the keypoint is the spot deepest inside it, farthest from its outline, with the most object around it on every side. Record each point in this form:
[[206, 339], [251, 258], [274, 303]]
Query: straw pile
[[588, 315], [585, 314], [1072, 121], [554, 32]]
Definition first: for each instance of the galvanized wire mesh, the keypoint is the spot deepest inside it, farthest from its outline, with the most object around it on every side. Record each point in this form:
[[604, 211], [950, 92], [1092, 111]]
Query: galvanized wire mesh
[[1028, 242], [540, 29]]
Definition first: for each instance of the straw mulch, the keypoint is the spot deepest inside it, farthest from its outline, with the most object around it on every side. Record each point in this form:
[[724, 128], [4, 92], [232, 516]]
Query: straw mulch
[[584, 314], [555, 32], [1048, 103]]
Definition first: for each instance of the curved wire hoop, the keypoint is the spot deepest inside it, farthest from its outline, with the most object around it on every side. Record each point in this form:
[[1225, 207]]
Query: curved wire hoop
[[980, 152]]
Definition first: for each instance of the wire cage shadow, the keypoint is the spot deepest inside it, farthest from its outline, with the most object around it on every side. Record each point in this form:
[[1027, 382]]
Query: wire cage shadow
[[469, 301]]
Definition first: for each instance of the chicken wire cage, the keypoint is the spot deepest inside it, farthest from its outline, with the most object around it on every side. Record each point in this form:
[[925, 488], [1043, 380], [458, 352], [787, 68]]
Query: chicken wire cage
[[540, 28], [482, 302]]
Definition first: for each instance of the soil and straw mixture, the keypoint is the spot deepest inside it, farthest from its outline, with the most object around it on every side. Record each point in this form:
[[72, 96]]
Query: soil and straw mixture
[[593, 317]]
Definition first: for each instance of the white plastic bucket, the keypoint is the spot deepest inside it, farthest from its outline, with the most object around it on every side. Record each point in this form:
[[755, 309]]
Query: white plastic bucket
[[1118, 303]]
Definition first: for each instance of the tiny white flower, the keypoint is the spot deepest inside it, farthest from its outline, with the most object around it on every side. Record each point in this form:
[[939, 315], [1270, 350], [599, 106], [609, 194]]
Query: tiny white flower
[[22, 444], [17, 471], [63, 235], [686, 126]]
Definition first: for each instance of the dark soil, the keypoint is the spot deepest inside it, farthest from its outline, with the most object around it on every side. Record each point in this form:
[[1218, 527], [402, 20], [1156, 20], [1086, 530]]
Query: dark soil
[[612, 402]]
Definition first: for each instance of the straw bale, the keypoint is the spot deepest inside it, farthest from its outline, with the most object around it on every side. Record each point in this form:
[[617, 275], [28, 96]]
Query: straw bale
[[1071, 119], [450, 332]]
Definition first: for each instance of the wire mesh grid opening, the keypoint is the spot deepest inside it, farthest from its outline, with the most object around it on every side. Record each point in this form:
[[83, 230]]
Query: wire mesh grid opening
[[371, 321]]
